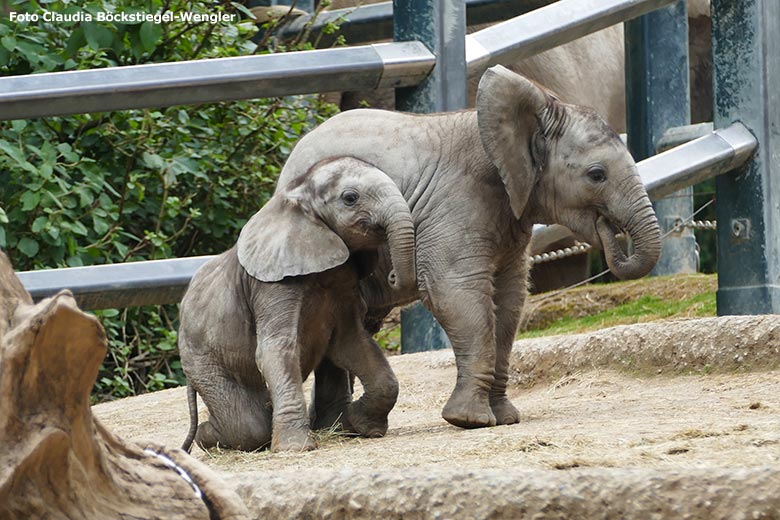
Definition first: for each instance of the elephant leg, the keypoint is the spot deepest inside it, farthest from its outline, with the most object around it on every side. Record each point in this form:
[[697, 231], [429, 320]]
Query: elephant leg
[[279, 362], [333, 386], [508, 299], [463, 305], [360, 355], [239, 416], [330, 395]]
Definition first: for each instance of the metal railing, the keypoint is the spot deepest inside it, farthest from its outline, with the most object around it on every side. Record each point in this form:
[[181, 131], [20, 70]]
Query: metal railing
[[381, 65], [547, 27]]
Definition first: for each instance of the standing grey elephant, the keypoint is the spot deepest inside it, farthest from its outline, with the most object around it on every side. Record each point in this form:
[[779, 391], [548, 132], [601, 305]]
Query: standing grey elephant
[[476, 181], [257, 319]]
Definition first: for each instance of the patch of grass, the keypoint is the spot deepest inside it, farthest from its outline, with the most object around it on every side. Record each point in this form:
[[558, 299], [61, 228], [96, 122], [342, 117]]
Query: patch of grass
[[633, 308]]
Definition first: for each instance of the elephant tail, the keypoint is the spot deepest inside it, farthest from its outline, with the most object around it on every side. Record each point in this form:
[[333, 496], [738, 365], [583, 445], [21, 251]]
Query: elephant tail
[[192, 404]]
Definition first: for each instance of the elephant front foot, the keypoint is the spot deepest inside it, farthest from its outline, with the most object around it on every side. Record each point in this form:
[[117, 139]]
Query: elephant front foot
[[468, 410], [293, 440], [504, 410], [207, 436], [360, 420], [329, 418]]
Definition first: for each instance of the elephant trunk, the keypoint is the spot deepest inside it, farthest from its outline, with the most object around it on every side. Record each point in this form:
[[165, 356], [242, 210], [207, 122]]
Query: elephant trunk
[[399, 228], [639, 221]]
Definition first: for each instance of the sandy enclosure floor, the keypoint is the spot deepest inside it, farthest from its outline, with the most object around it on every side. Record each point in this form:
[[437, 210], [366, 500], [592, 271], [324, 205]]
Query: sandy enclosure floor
[[596, 418]]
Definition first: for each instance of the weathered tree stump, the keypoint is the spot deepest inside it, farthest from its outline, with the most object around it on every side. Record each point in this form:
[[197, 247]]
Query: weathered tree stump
[[56, 459]]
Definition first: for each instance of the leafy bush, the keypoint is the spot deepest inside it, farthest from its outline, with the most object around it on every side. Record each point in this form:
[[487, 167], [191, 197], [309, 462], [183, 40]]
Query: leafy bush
[[138, 184]]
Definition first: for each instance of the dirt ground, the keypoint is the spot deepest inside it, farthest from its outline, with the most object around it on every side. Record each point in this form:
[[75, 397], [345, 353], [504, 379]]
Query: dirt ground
[[592, 417]]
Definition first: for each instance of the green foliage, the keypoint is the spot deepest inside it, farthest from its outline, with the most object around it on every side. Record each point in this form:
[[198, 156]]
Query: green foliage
[[138, 184]]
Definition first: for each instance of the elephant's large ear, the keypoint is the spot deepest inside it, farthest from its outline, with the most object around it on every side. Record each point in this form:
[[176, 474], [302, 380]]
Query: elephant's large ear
[[507, 108], [283, 239]]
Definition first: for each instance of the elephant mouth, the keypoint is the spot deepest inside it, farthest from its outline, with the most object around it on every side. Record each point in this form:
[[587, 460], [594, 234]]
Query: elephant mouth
[[616, 230], [369, 227]]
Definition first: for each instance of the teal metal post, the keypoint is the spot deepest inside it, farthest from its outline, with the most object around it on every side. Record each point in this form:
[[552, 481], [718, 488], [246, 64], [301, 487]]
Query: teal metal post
[[746, 61], [658, 98], [440, 25]]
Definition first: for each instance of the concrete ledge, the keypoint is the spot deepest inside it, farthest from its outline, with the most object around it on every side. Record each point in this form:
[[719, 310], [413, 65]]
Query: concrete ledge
[[458, 493], [706, 345]]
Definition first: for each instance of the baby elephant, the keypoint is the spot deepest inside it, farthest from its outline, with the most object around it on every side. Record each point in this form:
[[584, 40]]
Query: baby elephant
[[257, 319]]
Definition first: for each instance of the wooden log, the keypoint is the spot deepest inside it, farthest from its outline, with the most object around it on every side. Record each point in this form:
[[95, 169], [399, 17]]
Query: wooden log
[[56, 459]]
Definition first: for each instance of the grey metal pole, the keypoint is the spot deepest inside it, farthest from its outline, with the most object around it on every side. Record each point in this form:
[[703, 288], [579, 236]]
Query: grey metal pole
[[440, 25], [746, 60], [657, 98]]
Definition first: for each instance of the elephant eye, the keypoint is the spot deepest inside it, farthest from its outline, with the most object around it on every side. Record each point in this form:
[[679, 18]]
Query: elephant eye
[[350, 197], [596, 173]]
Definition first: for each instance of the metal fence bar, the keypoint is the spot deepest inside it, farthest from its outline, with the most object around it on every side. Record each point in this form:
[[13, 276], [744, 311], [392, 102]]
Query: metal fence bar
[[697, 161], [164, 281], [746, 60], [375, 21], [117, 285], [548, 27], [657, 97], [678, 135], [225, 79], [441, 25]]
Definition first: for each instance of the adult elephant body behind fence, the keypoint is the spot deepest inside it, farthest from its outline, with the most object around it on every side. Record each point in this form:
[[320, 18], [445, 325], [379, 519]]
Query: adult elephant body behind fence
[[476, 181]]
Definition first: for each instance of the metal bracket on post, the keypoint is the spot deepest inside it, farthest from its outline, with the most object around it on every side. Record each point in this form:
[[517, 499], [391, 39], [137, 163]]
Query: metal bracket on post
[[745, 47], [440, 25], [658, 98]]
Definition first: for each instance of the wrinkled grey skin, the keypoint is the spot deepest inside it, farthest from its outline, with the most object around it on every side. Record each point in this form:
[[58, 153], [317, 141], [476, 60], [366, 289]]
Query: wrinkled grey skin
[[476, 181], [257, 319]]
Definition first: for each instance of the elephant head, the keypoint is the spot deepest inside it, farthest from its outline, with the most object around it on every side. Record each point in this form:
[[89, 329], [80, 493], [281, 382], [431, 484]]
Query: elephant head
[[341, 206], [562, 164]]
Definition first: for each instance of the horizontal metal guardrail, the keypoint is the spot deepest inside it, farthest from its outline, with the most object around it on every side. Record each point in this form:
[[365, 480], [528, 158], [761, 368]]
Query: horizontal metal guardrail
[[164, 281], [697, 161], [374, 22], [384, 65], [109, 286], [678, 135], [547, 27]]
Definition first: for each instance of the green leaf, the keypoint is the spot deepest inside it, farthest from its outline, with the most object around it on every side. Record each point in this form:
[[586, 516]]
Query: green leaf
[[85, 196], [3, 217], [150, 34], [28, 246], [39, 224], [17, 155], [152, 160], [8, 42], [244, 10], [3, 242], [98, 37], [76, 227], [46, 171], [30, 200], [99, 225], [76, 41]]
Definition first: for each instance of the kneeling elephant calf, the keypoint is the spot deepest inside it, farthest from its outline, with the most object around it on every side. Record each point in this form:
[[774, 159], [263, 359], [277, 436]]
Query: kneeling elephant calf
[[257, 319]]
